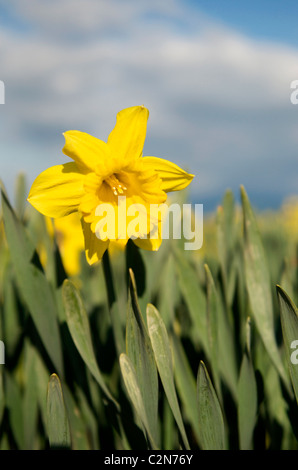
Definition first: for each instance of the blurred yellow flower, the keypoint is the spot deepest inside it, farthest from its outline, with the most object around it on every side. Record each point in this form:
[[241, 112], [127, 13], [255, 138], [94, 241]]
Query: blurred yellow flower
[[290, 216], [70, 240], [106, 173]]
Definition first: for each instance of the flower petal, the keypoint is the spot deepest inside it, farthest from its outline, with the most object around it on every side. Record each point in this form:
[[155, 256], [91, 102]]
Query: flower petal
[[94, 247], [87, 151], [173, 177], [148, 244], [128, 136], [153, 243], [57, 191]]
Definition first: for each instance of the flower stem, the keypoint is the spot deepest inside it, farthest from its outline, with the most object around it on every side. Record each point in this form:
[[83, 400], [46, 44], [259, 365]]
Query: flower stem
[[113, 304]]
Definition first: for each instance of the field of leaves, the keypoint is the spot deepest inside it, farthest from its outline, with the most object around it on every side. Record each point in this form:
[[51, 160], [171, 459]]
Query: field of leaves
[[166, 350]]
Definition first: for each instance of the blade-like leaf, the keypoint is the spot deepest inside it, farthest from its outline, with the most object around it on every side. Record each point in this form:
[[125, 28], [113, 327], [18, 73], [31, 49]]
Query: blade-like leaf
[[168, 290], [212, 322], [113, 303], [140, 352], [258, 285], [14, 404], [289, 322], [79, 431], [134, 392], [247, 398], [35, 290], [58, 425], [78, 324], [193, 297], [186, 383], [163, 357], [2, 396], [211, 422], [30, 399]]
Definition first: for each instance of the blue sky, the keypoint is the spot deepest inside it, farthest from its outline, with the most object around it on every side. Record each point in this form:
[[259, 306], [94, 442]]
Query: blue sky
[[272, 20], [215, 76]]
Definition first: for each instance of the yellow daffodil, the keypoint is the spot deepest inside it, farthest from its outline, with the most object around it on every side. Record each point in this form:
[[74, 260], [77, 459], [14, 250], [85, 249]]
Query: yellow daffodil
[[104, 173], [70, 241], [290, 216]]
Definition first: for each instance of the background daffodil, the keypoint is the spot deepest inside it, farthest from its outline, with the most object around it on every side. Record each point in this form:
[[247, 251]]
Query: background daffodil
[[101, 172]]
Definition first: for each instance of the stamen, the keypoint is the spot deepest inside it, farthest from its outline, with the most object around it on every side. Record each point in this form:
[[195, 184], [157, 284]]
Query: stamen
[[115, 185]]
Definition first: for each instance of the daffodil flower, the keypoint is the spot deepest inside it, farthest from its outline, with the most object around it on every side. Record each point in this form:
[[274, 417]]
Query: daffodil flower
[[104, 172]]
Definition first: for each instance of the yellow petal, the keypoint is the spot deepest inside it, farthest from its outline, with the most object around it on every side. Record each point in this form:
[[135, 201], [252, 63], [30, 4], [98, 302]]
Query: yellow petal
[[94, 247], [128, 136], [70, 239], [57, 191], [150, 244], [172, 176], [87, 151]]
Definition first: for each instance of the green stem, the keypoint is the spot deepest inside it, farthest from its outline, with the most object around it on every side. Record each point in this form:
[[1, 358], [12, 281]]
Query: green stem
[[113, 304]]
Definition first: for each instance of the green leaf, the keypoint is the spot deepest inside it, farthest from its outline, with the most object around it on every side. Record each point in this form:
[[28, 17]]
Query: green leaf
[[2, 396], [193, 296], [134, 392], [186, 384], [30, 398], [41, 379], [113, 303], [258, 285], [211, 421], [168, 292], [14, 405], [78, 428], [20, 194], [163, 357], [222, 353], [289, 322], [212, 328], [139, 350], [58, 425], [34, 288], [225, 238], [12, 329], [247, 398], [78, 324]]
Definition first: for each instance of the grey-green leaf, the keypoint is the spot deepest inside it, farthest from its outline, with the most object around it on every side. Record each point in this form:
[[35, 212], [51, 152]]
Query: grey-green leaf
[[289, 322], [211, 421], [163, 357], [58, 425], [35, 290], [193, 296], [186, 383], [258, 285], [212, 322], [247, 398], [78, 324], [134, 392], [140, 352]]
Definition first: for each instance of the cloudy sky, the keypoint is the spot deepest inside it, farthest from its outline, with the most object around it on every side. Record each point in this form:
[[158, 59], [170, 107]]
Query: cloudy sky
[[215, 76]]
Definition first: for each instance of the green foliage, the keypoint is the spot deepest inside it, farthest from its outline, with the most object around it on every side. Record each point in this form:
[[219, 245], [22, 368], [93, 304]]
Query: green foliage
[[150, 350]]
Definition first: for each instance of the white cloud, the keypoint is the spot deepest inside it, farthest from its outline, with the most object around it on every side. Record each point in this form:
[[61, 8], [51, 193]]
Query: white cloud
[[219, 102]]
